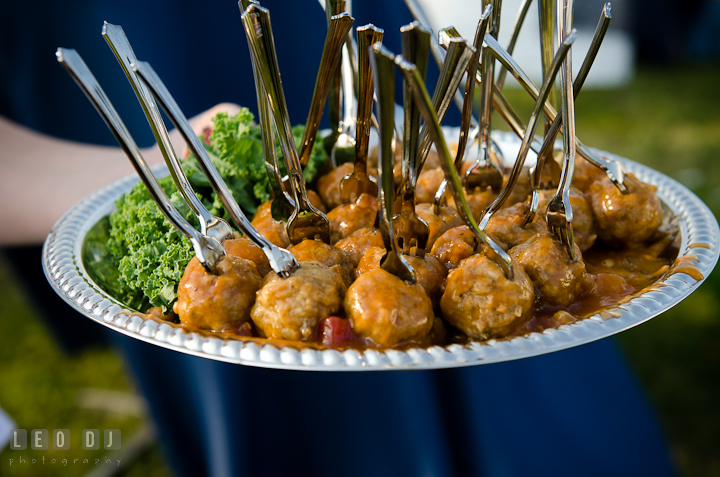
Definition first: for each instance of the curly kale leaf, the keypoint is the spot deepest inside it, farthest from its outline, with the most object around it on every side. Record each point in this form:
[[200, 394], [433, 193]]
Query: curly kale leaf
[[149, 253]]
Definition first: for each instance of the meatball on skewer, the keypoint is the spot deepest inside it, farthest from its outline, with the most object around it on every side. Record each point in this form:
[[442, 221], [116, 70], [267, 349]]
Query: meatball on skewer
[[629, 218]]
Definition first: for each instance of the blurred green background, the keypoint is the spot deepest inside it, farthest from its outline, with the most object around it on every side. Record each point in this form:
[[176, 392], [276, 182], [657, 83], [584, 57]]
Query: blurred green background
[[666, 118]]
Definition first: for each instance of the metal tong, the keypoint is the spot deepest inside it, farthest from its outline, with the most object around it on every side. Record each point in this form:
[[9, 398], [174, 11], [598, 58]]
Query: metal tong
[[210, 225], [491, 176], [554, 129], [530, 130], [559, 213], [497, 254], [457, 59], [359, 182], [612, 168], [412, 230], [334, 7], [282, 205], [383, 68], [281, 261], [340, 144], [338, 28], [485, 172], [208, 250], [435, 47], [306, 221]]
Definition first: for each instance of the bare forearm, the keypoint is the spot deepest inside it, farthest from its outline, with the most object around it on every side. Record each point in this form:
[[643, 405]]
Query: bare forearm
[[41, 176]]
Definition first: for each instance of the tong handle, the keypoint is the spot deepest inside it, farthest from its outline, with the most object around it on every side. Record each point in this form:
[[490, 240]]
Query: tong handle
[[306, 221], [207, 249], [367, 36], [262, 47], [431, 120], [117, 40], [382, 61], [459, 54], [338, 28], [415, 47]]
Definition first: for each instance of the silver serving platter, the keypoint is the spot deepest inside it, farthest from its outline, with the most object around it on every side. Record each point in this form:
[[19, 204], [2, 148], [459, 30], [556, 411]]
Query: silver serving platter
[[67, 275]]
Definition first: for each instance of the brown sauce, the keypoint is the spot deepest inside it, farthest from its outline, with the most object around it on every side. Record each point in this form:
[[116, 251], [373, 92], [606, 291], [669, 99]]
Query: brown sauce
[[688, 266]]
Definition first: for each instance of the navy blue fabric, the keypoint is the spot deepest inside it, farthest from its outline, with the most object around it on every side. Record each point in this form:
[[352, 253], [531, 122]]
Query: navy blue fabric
[[198, 49], [578, 412]]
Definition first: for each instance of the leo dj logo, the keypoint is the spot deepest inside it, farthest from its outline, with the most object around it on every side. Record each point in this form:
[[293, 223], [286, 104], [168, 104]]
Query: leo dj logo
[[40, 439]]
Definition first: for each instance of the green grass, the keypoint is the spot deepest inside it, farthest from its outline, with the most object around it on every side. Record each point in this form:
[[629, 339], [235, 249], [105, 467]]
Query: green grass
[[676, 355], [40, 389]]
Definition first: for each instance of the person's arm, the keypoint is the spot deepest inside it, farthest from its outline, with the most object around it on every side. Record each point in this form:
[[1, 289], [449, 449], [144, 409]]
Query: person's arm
[[41, 176]]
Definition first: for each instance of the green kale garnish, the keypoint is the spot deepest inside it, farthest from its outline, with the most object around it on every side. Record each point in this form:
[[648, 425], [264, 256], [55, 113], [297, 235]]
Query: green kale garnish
[[149, 254]]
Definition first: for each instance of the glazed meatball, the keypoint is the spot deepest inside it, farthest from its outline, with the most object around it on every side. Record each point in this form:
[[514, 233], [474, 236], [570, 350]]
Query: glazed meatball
[[263, 211], [438, 224], [583, 221], [388, 310], [429, 272], [482, 303], [243, 248], [427, 184], [454, 246], [316, 200], [290, 308], [217, 302], [585, 174], [273, 230], [522, 188], [332, 257], [631, 218], [370, 260], [360, 242], [547, 262], [328, 186], [346, 219], [506, 225], [478, 199]]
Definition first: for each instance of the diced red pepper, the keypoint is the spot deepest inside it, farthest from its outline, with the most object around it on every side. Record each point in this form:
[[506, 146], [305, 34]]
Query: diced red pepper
[[335, 332], [243, 329]]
